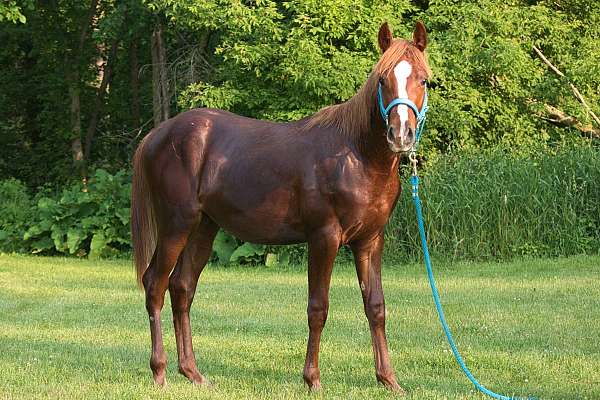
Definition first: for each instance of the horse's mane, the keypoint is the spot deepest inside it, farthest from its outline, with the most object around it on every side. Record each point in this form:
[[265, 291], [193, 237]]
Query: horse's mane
[[353, 117]]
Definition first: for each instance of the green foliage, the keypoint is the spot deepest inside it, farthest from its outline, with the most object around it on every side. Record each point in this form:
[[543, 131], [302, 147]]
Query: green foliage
[[11, 10], [229, 250], [498, 205], [223, 247], [480, 205], [94, 222], [37, 61], [282, 60], [285, 60], [489, 85], [15, 214], [248, 252]]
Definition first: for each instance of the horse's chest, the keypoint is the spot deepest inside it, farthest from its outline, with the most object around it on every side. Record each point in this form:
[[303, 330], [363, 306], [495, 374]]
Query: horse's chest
[[365, 208]]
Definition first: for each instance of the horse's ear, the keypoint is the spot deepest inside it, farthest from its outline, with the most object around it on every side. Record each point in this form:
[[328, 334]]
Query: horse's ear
[[385, 37], [420, 36]]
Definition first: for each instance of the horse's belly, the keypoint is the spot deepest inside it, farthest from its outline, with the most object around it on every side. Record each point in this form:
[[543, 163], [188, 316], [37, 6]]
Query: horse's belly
[[267, 218]]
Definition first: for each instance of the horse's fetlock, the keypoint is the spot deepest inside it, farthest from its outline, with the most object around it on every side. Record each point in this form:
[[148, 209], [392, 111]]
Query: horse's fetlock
[[158, 363], [187, 368], [311, 375]]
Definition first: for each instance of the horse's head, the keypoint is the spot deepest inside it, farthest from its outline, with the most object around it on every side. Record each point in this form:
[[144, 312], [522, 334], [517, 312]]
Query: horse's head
[[402, 72]]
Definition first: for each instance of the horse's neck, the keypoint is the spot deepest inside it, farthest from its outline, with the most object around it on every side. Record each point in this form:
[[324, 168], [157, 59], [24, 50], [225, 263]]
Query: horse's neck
[[373, 145], [355, 123]]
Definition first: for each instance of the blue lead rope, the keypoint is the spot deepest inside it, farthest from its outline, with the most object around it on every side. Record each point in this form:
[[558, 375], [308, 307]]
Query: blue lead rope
[[414, 179]]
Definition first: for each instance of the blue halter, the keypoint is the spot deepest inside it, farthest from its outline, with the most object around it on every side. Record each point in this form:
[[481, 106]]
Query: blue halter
[[385, 111]]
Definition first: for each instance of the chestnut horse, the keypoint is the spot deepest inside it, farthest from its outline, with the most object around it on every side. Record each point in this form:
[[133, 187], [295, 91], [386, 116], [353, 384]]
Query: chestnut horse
[[328, 180]]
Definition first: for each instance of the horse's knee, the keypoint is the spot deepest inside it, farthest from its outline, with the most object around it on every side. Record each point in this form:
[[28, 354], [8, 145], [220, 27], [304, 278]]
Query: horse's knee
[[376, 314], [317, 314]]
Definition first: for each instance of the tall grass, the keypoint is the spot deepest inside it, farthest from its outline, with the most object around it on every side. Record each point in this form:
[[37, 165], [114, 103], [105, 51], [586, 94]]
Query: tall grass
[[497, 205]]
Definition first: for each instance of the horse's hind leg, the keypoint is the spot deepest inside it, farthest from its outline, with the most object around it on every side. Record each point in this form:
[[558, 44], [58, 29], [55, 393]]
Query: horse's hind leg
[[367, 256], [170, 243], [182, 287]]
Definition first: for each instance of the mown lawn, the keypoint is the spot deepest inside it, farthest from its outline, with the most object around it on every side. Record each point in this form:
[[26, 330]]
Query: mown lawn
[[78, 329]]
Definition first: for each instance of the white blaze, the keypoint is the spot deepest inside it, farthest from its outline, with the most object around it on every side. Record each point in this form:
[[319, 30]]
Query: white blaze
[[402, 72]]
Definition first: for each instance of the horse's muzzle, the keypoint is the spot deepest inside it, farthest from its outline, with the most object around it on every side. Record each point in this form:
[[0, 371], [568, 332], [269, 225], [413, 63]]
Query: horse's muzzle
[[400, 142]]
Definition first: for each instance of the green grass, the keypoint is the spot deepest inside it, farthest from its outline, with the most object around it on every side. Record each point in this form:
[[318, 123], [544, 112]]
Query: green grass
[[78, 329]]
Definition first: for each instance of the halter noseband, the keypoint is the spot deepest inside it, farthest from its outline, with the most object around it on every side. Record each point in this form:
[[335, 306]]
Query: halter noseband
[[385, 111]]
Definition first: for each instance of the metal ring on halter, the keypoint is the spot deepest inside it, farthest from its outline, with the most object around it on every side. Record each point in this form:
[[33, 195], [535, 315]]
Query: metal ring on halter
[[412, 157]]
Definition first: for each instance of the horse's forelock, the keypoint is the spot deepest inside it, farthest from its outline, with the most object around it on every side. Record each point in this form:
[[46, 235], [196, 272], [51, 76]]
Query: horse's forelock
[[402, 49]]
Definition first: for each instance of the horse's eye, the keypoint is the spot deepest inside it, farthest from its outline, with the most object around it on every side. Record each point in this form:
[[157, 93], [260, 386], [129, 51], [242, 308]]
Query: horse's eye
[[381, 80], [424, 82]]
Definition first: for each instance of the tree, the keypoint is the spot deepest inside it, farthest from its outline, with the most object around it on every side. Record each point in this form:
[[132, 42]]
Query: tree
[[59, 89], [280, 60]]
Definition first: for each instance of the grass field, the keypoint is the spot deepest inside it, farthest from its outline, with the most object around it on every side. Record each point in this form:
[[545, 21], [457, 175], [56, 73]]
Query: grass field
[[78, 329]]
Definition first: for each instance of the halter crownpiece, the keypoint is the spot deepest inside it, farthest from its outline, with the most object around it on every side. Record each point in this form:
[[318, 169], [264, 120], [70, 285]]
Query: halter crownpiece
[[385, 111]]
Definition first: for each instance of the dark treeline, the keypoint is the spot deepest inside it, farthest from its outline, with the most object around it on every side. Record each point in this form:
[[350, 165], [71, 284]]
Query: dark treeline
[[83, 81]]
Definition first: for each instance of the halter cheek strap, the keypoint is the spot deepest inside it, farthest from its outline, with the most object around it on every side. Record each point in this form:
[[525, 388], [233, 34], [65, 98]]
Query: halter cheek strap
[[385, 111]]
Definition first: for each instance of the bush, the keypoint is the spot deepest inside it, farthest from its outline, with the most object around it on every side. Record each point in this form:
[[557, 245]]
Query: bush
[[15, 214], [227, 249], [498, 205], [93, 222]]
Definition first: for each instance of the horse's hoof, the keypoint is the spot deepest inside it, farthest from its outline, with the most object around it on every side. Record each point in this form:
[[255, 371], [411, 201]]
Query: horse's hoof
[[391, 384], [312, 379], [194, 376], [201, 381], [397, 389], [160, 379]]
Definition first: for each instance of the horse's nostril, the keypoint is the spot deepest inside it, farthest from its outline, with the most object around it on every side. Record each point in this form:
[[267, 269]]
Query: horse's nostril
[[390, 133]]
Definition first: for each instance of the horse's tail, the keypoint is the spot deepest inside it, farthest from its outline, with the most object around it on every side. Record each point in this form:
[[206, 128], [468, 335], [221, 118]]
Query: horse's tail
[[143, 222]]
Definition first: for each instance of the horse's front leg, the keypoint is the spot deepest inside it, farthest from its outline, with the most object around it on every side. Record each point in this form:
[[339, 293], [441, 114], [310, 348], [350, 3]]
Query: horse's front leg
[[322, 249], [367, 256]]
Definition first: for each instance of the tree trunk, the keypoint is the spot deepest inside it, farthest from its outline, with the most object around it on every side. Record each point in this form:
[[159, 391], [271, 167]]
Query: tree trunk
[[74, 78], [134, 82], [160, 85], [76, 148], [106, 73]]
